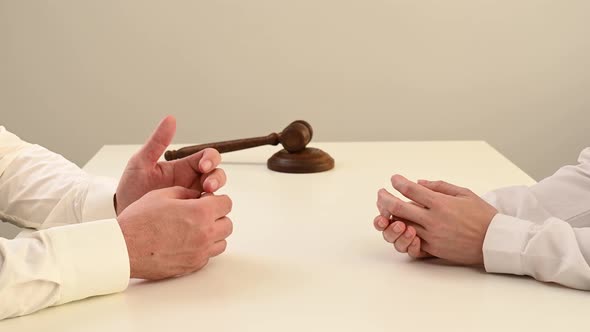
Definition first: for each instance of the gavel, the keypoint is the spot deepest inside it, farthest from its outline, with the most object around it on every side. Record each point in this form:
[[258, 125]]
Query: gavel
[[296, 157]]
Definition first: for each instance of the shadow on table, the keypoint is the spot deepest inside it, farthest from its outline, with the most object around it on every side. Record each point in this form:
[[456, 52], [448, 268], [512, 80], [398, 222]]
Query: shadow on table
[[226, 278]]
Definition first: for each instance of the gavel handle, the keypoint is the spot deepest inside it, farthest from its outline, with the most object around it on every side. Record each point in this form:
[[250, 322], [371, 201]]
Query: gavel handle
[[226, 146]]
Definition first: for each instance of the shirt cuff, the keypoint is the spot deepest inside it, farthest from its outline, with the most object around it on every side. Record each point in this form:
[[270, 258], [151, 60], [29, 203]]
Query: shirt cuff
[[504, 243], [99, 199], [92, 258]]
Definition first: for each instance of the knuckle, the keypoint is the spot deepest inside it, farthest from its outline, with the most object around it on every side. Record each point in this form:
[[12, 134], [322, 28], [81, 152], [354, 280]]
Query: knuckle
[[407, 190], [396, 207], [223, 245], [400, 247], [210, 231], [200, 238], [190, 261], [229, 202], [177, 189], [203, 262], [438, 184], [429, 201], [230, 227], [434, 201], [403, 188], [203, 211], [382, 194], [434, 250], [195, 260]]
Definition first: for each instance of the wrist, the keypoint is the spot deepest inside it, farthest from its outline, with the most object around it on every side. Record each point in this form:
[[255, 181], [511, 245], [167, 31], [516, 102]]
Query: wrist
[[130, 244]]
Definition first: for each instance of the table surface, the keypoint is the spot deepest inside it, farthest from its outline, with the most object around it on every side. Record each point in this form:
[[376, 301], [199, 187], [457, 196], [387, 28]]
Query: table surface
[[304, 256]]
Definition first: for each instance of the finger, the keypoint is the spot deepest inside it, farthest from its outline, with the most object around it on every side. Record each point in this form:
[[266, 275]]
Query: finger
[[415, 249], [381, 223], [209, 161], [203, 161], [214, 180], [178, 193], [413, 191], [187, 171], [217, 248], [394, 231], [157, 143], [223, 228], [427, 248], [444, 187], [391, 205], [420, 230], [403, 241], [383, 211], [221, 205]]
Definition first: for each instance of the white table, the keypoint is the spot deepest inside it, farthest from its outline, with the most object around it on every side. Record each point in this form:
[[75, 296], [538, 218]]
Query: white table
[[304, 257]]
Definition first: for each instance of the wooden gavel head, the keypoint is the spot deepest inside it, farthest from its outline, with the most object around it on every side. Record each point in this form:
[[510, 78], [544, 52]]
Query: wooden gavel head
[[296, 157], [296, 136]]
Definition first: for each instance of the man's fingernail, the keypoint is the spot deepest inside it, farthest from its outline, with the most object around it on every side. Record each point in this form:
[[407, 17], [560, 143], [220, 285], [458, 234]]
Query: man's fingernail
[[397, 228], [213, 183], [206, 165], [408, 235]]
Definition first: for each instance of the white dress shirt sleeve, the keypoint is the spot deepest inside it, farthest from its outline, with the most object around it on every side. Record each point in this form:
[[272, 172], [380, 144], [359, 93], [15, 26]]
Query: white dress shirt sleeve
[[544, 230], [68, 258]]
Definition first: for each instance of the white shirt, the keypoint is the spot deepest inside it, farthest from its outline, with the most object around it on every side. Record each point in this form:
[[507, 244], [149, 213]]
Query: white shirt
[[544, 230], [78, 250]]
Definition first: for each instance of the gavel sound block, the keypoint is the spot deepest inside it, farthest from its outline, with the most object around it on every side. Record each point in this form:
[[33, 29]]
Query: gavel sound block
[[296, 157]]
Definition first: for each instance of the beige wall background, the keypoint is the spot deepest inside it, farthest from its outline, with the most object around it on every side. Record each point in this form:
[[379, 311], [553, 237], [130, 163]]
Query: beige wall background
[[75, 74]]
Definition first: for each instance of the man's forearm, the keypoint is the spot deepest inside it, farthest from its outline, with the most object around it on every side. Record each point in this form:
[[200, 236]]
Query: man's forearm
[[40, 189], [564, 195], [60, 265], [551, 251]]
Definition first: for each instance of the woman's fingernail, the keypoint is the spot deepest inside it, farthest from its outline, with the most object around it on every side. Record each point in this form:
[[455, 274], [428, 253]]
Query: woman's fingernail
[[382, 223], [397, 228], [408, 234]]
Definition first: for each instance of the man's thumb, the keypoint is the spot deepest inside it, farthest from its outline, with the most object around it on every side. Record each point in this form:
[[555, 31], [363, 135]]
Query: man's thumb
[[157, 143]]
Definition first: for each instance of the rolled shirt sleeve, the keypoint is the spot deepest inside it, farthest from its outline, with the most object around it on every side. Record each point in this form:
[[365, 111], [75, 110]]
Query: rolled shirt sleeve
[[551, 251], [544, 230], [78, 249], [61, 264]]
